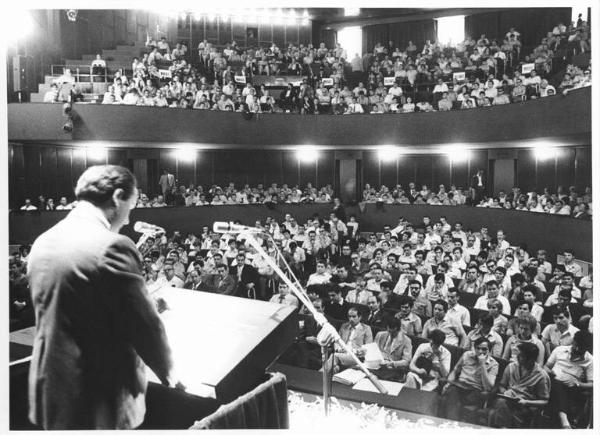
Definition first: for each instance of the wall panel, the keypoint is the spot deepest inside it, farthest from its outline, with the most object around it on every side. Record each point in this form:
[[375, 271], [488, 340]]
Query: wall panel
[[389, 172], [460, 174], [289, 167], [371, 173], [546, 174], [204, 168], [326, 169], [526, 178], [406, 171], [272, 167], [441, 171], [186, 172], [16, 170], [308, 173], [48, 172], [583, 173], [424, 171], [565, 174]]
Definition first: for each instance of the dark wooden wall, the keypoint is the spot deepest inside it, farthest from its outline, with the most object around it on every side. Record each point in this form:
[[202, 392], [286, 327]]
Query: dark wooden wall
[[223, 30], [51, 170]]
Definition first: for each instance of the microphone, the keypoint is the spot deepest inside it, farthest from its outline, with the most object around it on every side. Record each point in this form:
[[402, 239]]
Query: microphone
[[144, 227], [230, 227]]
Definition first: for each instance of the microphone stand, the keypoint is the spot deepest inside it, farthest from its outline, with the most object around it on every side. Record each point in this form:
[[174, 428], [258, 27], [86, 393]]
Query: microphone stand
[[320, 318], [327, 373]]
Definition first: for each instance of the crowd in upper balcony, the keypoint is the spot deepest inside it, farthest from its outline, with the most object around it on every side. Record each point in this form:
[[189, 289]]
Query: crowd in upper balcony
[[391, 79]]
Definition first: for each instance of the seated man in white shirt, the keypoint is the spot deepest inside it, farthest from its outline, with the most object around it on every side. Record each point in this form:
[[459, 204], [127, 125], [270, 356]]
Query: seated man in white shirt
[[567, 282], [560, 333], [169, 279], [571, 373], [320, 276], [493, 292], [456, 310], [284, 296], [28, 205]]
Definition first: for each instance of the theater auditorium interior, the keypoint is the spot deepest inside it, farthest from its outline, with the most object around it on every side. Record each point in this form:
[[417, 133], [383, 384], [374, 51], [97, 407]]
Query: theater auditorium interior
[[363, 178]]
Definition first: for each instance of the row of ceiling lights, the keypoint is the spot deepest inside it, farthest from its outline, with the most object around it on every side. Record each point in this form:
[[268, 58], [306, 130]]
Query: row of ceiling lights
[[309, 153]]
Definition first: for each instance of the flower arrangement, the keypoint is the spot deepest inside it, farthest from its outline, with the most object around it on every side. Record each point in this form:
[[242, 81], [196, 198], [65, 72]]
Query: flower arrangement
[[306, 415]]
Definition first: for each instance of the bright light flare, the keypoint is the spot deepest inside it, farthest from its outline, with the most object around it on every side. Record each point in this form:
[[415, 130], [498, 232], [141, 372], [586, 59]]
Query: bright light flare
[[96, 154], [307, 154], [457, 153], [19, 26], [388, 152], [545, 152], [185, 154]]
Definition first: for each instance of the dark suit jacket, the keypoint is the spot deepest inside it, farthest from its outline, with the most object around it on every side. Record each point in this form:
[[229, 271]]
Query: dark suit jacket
[[95, 323], [475, 182], [249, 275], [213, 283], [336, 310], [375, 320]]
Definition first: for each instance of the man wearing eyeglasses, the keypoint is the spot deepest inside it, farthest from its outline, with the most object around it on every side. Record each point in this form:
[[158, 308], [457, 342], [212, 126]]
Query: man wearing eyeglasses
[[473, 375]]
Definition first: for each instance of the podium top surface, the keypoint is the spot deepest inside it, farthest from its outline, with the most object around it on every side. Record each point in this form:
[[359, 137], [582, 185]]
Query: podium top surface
[[210, 333]]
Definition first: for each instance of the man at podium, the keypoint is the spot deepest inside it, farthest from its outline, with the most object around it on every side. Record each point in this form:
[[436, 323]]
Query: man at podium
[[96, 325]]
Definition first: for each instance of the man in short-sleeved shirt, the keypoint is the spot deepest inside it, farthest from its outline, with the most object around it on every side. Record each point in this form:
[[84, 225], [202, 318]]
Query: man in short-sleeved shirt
[[455, 333], [474, 373]]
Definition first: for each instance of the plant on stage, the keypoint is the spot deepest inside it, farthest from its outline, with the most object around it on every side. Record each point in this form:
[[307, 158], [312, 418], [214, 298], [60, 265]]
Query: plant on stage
[[309, 415]]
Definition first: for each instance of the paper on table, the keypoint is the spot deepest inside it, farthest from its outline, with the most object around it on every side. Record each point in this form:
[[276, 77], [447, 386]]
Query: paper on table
[[349, 376], [393, 388], [373, 356]]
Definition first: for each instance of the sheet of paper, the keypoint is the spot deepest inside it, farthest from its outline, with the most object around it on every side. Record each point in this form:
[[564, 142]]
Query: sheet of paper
[[393, 388], [373, 356]]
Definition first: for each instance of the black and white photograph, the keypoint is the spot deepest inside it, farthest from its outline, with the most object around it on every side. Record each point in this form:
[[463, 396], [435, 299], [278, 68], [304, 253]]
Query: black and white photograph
[[388, 227]]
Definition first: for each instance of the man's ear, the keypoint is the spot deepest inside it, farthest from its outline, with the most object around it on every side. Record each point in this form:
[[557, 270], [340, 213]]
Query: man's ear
[[118, 195]]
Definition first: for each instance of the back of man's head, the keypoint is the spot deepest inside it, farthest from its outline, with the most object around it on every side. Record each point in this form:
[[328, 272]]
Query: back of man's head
[[98, 184]]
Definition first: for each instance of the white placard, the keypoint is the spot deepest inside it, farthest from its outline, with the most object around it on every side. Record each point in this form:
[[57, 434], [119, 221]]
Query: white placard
[[389, 81], [526, 68], [240, 79], [327, 82], [459, 76], [164, 73]]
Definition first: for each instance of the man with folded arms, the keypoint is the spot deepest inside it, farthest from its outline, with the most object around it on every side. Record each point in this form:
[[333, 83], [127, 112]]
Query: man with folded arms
[[473, 376]]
